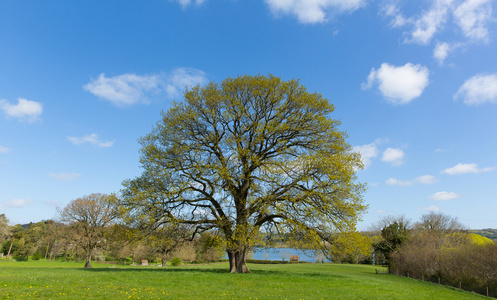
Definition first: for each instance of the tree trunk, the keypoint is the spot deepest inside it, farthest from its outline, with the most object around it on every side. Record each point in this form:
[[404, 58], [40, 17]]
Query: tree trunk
[[231, 258], [10, 248], [51, 251], [164, 258], [89, 250], [241, 263], [88, 260], [46, 252], [237, 258]]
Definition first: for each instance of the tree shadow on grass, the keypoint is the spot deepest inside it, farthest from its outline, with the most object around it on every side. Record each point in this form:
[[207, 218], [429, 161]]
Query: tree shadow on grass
[[255, 272], [179, 270]]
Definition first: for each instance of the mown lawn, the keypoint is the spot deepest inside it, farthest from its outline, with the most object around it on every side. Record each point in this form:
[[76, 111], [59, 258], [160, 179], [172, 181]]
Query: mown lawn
[[60, 280]]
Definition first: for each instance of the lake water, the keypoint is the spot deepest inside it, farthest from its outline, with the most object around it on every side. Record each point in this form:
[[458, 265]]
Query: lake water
[[283, 254]]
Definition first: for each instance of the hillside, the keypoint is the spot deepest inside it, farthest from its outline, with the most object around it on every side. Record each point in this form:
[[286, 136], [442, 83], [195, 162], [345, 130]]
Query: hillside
[[488, 233]]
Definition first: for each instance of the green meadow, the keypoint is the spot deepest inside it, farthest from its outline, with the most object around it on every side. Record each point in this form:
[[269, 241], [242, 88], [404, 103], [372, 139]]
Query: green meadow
[[68, 280]]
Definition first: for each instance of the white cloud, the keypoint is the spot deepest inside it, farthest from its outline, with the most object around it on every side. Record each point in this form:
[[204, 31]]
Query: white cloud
[[313, 11], [368, 152], [473, 17], [430, 21], [467, 168], [433, 208], [4, 150], [128, 89], [441, 52], [124, 89], [64, 176], [478, 89], [399, 85], [15, 203], [186, 3], [426, 179], [444, 196], [391, 9], [394, 156], [176, 82], [394, 181], [92, 139], [24, 109]]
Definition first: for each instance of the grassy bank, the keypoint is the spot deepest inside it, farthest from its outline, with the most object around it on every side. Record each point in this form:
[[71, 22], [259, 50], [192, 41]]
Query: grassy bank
[[51, 280]]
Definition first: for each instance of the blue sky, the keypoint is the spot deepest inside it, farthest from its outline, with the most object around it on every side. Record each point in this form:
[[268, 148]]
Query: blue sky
[[414, 84]]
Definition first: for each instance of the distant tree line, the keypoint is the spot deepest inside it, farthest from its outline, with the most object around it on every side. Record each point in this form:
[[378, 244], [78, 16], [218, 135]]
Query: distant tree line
[[439, 249], [88, 229]]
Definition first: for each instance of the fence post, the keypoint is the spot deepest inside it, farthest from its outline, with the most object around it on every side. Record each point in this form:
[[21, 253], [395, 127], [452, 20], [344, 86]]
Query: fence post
[[487, 291], [438, 280]]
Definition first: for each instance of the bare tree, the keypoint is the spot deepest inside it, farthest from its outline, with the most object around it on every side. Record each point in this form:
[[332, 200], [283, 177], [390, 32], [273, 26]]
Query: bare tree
[[90, 215]]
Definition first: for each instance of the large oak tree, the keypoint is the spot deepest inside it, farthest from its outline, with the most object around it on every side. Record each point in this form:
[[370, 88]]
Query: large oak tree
[[252, 154]]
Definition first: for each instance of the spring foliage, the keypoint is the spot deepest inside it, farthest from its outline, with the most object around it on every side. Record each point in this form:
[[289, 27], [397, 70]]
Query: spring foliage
[[252, 154]]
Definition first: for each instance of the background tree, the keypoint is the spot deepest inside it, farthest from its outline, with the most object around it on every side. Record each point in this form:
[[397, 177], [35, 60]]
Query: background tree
[[4, 228], [15, 242], [123, 241], [439, 249], [349, 247], [395, 232], [167, 238], [90, 215], [209, 247], [252, 152]]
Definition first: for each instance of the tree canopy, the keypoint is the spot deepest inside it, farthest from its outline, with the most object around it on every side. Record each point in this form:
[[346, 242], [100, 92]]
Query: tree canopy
[[90, 215], [250, 155]]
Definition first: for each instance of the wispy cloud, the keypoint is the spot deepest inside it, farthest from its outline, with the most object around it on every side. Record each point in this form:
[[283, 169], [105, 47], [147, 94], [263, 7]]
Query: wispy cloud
[[398, 85], [472, 17], [128, 89], [313, 11], [479, 89], [16, 203], [64, 176], [425, 179], [91, 139], [467, 168], [123, 89], [24, 110], [394, 181], [368, 151], [444, 196], [54, 203], [4, 150], [433, 208], [185, 3]]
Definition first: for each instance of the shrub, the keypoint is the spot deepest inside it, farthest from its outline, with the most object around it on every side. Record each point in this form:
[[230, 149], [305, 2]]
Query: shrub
[[176, 261], [21, 256], [37, 255]]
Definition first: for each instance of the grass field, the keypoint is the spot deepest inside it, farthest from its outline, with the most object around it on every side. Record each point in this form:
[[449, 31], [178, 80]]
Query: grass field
[[60, 280]]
